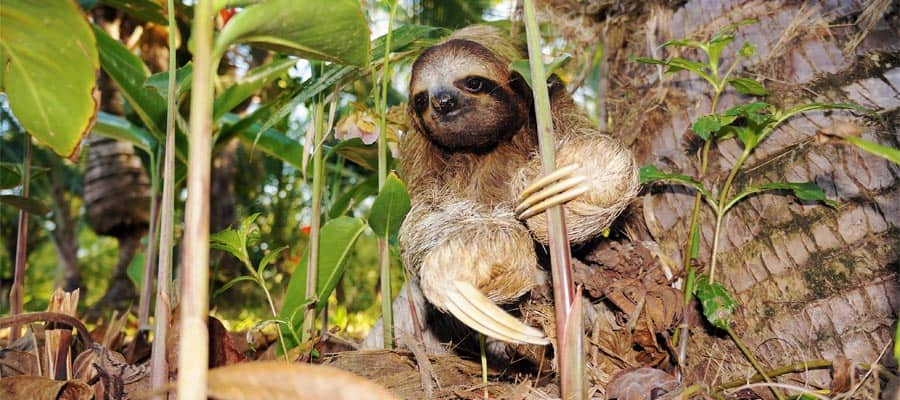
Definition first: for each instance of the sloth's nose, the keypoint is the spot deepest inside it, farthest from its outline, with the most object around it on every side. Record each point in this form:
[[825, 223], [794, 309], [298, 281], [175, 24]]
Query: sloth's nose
[[443, 102]]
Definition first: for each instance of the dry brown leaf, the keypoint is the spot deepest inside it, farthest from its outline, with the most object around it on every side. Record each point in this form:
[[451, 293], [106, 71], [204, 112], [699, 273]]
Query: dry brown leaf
[[39, 388], [842, 375], [14, 362], [641, 384], [276, 380]]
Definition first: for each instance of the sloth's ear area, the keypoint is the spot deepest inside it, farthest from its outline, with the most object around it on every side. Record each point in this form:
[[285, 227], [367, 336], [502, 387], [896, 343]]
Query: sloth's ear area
[[474, 309]]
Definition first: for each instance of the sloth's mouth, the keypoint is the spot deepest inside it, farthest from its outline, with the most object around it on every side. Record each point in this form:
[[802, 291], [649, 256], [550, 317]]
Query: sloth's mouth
[[452, 114]]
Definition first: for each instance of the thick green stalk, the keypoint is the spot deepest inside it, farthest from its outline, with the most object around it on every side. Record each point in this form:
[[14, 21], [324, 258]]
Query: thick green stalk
[[315, 222], [384, 250], [159, 369], [193, 351], [560, 257]]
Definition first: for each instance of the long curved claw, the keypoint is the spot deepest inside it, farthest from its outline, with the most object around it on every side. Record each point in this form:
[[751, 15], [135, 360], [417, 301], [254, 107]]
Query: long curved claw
[[559, 199], [558, 187], [548, 179], [474, 309]]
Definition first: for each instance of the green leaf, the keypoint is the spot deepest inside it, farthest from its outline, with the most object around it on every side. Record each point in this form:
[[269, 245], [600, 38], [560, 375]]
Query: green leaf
[[706, 125], [718, 306], [808, 191], [748, 86], [649, 173], [332, 30], [9, 176], [229, 284], [135, 270], [183, 79], [684, 43], [524, 68], [144, 10], [747, 50], [336, 239], [354, 195], [129, 73], [389, 208], [30, 205], [250, 84], [678, 64], [744, 110], [49, 70], [269, 141], [268, 259], [716, 45], [234, 241], [890, 153], [120, 128], [819, 106]]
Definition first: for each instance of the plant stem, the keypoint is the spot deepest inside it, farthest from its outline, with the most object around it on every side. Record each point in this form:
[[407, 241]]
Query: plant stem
[[262, 283], [721, 211], [159, 367], [17, 292], [384, 250], [484, 376], [560, 257], [315, 222], [193, 351], [151, 251], [753, 361], [798, 367]]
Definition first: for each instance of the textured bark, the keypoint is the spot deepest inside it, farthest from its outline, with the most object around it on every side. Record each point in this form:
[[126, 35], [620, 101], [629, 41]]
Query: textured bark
[[813, 282]]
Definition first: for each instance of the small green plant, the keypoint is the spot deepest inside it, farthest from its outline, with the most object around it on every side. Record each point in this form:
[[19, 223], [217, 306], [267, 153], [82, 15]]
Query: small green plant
[[235, 242]]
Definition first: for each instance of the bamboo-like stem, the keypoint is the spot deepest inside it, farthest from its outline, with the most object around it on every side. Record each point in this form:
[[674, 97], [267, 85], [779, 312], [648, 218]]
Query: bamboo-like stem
[[560, 256], [754, 362], [159, 367], [312, 267], [17, 291], [384, 249], [151, 251], [193, 351]]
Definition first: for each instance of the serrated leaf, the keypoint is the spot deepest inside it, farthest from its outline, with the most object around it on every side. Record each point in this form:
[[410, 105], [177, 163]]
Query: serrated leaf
[[230, 241], [9, 176], [184, 78], [389, 208], [718, 306], [334, 31], [808, 191], [748, 86], [649, 173], [32, 206], [336, 239], [49, 68]]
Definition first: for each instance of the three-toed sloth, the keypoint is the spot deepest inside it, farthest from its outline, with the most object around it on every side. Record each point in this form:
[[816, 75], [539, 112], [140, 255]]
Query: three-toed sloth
[[478, 193]]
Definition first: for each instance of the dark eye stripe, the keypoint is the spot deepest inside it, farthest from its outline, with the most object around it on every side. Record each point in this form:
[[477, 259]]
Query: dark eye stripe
[[476, 84], [420, 102]]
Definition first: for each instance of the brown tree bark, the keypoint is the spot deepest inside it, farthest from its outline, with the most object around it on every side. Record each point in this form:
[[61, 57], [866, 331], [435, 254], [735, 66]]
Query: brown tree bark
[[812, 282]]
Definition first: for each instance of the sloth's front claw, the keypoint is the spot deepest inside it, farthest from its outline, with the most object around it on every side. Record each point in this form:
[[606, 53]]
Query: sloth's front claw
[[474, 309], [554, 189]]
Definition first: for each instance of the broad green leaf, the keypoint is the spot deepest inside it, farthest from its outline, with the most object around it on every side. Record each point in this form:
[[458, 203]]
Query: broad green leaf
[[50, 65], [332, 30], [269, 141], [716, 45], [649, 173], [120, 128], [183, 80], [802, 190], [890, 153], [129, 73], [250, 84], [677, 64], [336, 239], [144, 10], [389, 208], [744, 110], [32, 206], [718, 306], [229, 284], [706, 125], [748, 86], [9, 176], [524, 69]]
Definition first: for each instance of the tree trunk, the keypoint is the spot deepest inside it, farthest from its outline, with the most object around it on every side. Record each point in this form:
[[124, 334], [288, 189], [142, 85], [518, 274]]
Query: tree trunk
[[812, 282]]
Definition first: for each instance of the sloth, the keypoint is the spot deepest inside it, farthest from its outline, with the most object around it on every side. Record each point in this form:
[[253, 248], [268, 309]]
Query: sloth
[[476, 181]]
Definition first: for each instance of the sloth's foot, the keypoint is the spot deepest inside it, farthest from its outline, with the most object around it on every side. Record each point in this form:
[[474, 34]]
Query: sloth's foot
[[474, 309], [557, 188]]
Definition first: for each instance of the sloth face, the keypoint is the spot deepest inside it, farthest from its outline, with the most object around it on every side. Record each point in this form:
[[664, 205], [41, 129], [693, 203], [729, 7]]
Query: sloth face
[[465, 98]]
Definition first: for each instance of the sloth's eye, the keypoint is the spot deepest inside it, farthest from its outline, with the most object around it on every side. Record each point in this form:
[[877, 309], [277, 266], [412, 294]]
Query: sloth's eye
[[475, 84], [420, 102]]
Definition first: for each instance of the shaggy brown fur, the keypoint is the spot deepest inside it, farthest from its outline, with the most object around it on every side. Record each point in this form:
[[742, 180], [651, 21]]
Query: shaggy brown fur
[[466, 167]]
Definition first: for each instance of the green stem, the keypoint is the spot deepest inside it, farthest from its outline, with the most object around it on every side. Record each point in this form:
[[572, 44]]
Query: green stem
[[753, 361], [262, 284], [384, 254], [193, 351], [721, 211], [312, 267]]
